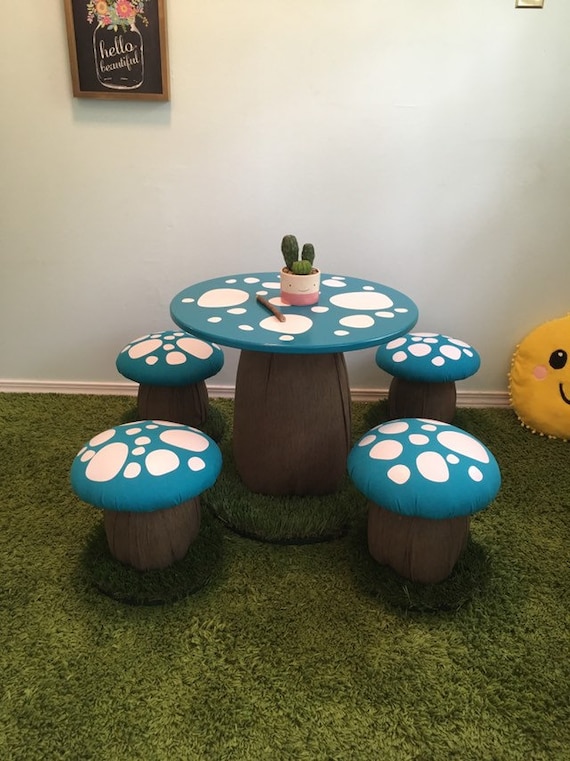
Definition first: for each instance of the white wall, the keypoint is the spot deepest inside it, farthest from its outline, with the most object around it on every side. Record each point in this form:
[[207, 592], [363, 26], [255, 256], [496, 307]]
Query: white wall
[[422, 144]]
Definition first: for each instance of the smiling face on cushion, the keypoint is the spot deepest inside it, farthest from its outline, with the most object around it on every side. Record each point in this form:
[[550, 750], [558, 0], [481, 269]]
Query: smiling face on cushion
[[540, 379]]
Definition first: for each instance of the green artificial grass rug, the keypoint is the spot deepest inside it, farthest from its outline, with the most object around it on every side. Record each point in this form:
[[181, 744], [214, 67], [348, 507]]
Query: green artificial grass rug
[[303, 652]]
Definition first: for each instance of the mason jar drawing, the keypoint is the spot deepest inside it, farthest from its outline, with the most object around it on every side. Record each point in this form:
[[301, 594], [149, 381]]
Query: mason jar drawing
[[119, 56]]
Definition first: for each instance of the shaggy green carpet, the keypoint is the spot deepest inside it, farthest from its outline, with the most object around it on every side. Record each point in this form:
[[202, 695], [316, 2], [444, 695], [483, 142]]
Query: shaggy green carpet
[[296, 652]]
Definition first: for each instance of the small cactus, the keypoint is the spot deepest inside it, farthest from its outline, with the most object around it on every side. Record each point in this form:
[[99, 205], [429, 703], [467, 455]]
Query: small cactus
[[290, 250], [302, 265], [308, 253]]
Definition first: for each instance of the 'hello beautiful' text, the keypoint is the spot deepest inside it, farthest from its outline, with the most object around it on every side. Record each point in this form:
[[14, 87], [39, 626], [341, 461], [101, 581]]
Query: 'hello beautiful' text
[[126, 52]]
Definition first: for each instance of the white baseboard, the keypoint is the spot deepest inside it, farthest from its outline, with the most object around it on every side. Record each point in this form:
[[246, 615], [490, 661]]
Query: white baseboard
[[67, 387], [464, 398]]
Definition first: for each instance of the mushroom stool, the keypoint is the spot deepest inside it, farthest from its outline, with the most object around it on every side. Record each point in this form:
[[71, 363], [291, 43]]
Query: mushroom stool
[[171, 368], [147, 477], [423, 479], [425, 367]]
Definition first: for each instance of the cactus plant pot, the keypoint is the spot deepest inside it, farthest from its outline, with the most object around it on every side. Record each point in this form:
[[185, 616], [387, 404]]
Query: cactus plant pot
[[300, 290]]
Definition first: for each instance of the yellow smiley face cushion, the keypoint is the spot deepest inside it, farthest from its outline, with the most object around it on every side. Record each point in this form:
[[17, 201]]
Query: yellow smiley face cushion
[[539, 381]]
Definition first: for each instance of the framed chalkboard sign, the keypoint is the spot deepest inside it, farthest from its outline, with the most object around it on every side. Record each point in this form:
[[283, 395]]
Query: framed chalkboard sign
[[118, 49]]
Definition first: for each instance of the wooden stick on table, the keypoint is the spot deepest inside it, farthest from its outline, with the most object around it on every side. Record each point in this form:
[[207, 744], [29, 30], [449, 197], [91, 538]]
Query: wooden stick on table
[[280, 316]]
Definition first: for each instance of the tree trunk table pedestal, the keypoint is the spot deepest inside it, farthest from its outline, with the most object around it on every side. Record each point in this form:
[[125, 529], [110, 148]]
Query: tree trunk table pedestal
[[292, 422]]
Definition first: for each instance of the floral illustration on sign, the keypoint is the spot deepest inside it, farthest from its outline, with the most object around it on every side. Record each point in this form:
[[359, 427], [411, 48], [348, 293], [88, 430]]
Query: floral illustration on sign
[[116, 13], [118, 45]]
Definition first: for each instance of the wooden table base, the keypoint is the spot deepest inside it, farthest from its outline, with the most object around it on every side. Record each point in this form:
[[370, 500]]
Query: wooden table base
[[292, 422]]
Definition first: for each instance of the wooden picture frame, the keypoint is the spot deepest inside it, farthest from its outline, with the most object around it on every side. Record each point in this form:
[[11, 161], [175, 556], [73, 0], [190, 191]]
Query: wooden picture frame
[[118, 49]]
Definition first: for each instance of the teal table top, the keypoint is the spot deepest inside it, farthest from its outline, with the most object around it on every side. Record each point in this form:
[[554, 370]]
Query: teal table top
[[351, 314]]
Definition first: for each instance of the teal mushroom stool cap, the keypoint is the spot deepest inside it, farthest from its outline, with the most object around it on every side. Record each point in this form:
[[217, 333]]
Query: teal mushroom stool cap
[[423, 479], [147, 477], [171, 368], [425, 367]]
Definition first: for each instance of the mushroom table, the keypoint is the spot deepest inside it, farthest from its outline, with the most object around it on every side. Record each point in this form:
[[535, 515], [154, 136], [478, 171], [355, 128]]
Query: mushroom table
[[292, 416]]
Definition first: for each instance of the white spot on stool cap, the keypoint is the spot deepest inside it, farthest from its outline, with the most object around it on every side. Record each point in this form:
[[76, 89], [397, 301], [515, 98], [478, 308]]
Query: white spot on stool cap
[[399, 474], [107, 462], [161, 461]]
